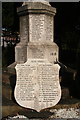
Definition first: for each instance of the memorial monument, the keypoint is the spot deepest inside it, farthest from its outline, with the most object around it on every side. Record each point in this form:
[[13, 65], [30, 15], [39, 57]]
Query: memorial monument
[[37, 85]]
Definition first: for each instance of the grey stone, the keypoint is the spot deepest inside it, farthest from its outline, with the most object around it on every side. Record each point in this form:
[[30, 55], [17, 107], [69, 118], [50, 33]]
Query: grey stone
[[43, 1], [37, 86], [36, 25]]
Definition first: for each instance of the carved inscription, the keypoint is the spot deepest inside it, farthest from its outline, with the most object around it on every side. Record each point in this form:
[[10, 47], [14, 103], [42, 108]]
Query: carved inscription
[[37, 84], [41, 28], [49, 28], [36, 27]]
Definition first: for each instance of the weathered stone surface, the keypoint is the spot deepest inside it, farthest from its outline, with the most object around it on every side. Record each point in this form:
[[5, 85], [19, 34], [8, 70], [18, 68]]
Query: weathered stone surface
[[21, 53], [41, 28], [43, 1], [37, 84], [43, 50], [36, 25], [36, 7], [24, 29]]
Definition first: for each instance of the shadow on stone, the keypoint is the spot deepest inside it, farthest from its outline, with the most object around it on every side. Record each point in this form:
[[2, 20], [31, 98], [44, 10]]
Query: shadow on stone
[[34, 114]]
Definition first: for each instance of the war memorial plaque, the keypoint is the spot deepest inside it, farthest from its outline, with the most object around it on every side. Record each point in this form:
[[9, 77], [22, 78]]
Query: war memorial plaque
[[37, 84]]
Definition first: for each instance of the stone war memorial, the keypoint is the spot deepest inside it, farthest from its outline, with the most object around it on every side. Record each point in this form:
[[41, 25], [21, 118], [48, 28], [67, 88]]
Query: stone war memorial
[[37, 83], [37, 86]]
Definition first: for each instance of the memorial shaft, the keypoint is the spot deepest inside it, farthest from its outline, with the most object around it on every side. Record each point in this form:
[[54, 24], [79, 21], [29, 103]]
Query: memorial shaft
[[36, 31]]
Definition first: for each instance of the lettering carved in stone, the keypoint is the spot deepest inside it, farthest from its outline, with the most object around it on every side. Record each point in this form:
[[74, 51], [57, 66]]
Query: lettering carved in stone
[[37, 84]]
